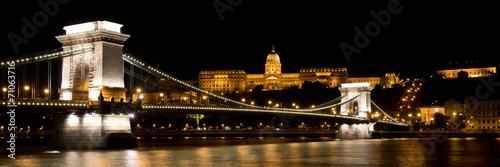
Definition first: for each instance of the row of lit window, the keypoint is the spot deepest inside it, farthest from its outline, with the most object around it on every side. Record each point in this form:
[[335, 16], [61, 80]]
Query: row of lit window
[[224, 85], [480, 72], [224, 72], [488, 127], [487, 114], [323, 70], [487, 121], [223, 81], [488, 107], [366, 80]]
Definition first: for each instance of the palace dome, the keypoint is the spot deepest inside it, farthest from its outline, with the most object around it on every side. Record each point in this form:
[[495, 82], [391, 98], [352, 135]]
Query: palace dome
[[273, 57]]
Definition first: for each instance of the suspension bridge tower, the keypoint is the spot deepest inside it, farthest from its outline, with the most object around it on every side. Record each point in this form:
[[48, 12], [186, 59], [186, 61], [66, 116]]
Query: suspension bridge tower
[[359, 96], [86, 75]]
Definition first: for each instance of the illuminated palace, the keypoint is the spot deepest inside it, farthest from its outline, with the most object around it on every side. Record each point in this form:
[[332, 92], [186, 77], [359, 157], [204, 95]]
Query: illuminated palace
[[237, 81]]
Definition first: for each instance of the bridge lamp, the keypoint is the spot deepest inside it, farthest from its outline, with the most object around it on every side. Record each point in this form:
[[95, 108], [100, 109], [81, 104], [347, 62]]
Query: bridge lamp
[[161, 94], [141, 97], [297, 107], [204, 97], [252, 103], [46, 91], [418, 114], [270, 102], [26, 88], [312, 106], [293, 104], [138, 90], [277, 105], [243, 100], [4, 89]]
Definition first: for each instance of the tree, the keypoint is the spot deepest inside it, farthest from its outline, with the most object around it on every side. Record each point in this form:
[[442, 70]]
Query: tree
[[463, 75], [258, 88], [440, 121]]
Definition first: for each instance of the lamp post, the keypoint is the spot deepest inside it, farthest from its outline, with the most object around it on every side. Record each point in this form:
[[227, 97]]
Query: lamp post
[[4, 92], [454, 114], [46, 91], [26, 88]]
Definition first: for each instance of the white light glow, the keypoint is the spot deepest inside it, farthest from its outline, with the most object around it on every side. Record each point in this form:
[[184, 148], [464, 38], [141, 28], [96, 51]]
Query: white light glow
[[351, 85], [91, 26]]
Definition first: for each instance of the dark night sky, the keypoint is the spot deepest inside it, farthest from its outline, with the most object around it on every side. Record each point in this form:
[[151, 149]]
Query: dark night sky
[[184, 37]]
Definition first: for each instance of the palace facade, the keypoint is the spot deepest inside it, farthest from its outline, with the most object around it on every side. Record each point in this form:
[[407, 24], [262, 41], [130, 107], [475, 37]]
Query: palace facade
[[228, 81]]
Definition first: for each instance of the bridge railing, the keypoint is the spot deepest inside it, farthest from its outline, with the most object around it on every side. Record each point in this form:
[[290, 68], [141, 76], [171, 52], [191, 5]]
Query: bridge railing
[[44, 56], [45, 103]]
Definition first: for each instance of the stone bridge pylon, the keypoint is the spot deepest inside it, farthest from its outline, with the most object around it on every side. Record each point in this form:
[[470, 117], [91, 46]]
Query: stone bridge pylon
[[360, 106]]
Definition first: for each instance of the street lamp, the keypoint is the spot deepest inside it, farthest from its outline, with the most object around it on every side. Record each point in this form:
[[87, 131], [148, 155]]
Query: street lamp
[[46, 93], [4, 94], [293, 104], [243, 100], [252, 103], [26, 88], [270, 102], [312, 106]]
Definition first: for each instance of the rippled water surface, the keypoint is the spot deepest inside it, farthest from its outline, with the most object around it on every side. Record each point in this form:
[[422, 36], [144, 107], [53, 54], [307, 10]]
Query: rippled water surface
[[277, 151]]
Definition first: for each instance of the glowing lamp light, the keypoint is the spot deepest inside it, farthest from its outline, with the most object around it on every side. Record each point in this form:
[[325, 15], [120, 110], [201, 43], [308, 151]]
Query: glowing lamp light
[[26, 87], [4, 89], [138, 90], [46, 90], [161, 94], [141, 97]]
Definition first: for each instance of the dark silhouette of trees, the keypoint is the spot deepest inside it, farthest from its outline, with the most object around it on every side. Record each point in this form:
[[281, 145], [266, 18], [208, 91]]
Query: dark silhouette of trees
[[463, 75]]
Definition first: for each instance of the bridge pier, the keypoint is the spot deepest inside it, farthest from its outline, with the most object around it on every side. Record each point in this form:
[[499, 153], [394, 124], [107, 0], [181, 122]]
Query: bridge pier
[[356, 131], [97, 131]]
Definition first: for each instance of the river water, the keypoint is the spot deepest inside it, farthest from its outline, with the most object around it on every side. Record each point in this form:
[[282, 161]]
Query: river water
[[266, 151]]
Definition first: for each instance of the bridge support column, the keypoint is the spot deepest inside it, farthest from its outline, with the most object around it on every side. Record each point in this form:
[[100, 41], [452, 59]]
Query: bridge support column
[[358, 106], [92, 132]]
